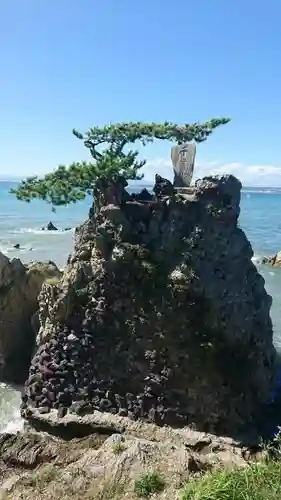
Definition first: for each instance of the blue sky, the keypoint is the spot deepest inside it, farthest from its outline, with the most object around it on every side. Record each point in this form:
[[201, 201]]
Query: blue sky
[[68, 64]]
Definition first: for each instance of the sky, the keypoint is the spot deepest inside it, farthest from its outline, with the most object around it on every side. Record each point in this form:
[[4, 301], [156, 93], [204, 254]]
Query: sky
[[69, 64]]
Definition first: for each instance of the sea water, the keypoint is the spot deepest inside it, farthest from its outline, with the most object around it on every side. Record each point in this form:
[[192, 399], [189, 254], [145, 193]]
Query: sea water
[[21, 223]]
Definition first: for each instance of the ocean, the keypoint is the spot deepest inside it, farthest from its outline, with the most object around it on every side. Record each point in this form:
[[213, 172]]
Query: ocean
[[21, 223]]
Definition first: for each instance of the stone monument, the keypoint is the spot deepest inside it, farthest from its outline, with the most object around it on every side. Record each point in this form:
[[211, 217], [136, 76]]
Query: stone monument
[[183, 158]]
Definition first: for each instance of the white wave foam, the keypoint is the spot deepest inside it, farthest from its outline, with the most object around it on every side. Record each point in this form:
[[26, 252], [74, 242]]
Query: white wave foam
[[261, 191], [3, 250], [12, 250], [10, 418], [256, 259], [42, 232], [15, 425]]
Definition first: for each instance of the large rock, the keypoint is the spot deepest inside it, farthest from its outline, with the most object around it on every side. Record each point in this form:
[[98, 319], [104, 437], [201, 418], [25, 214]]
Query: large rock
[[160, 314], [19, 289]]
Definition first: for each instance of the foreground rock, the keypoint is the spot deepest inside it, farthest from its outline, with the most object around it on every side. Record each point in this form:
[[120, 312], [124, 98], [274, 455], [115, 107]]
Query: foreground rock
[[273, 260], [19, 289], [108, 463], [160, 315]]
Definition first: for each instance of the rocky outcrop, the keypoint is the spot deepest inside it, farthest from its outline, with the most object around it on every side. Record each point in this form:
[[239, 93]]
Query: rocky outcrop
[[19, 289], [110, 464], [273, 260], [160, 315]]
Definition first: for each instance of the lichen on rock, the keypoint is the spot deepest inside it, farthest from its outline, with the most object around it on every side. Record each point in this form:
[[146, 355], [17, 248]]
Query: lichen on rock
[[160, 314]]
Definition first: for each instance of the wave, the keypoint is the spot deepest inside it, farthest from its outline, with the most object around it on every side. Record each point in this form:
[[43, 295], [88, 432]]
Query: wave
[[16, 424], [257, 259], [3, 249], [12, 250], [43, 232], [10, 418], [261, 191]]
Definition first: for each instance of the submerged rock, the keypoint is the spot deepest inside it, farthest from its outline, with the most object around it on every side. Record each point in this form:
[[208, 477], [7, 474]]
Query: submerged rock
[[50, 227], [19, 289], [160, 315]]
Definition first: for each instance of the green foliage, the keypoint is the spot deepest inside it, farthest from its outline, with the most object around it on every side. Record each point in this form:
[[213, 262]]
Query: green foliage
[[52, 281], [106, 145], [118, 448], [261, 481], [149, 483]]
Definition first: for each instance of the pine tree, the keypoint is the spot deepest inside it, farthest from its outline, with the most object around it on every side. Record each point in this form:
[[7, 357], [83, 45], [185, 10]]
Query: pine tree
[[106, 144]]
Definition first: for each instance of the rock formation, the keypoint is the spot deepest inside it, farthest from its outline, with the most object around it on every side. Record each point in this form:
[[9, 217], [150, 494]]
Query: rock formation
[[107, 466], [49, 227], [160, 315], [273, 260], [19, 289]]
